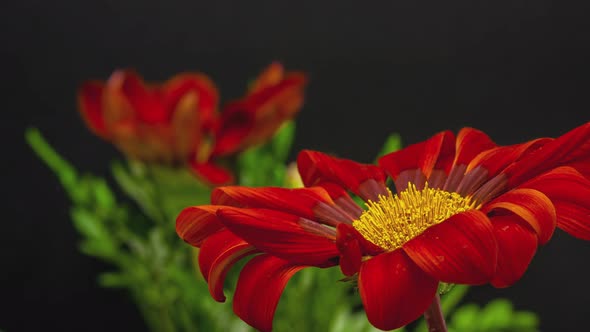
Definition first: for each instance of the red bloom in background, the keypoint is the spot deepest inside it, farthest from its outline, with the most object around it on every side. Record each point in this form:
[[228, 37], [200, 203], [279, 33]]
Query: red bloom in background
[[465, 211], [177, 122], [273, 98]]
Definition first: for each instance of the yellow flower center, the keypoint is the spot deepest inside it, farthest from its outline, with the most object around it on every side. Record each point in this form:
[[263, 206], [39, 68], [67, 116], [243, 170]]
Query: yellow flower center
[[394, 220]]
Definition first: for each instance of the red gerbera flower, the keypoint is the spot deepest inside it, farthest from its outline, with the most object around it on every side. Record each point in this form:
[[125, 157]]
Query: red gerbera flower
[[465, 211], [178, 123]]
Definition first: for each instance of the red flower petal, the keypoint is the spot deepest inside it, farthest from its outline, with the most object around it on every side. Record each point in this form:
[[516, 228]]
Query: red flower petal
[[236, 123], [353, 246], [211, 173], [275, 103], [364, 180], [256, 117], [184, 132], [272, 75], [147, 106], [461, 249], [279, 101], [194, 224], [90, 106], [570, 147], [342, 199], [532, 206], [191, 101], [217, 255], [497, 159], [206, 93], [304, 202], [439, 154], [351, 254], [574, 220], [471, 142], [259, 289], [394, 290], [121, 120], [283, 235], [582, 165], [570, 193], [435, 153], [517, 244]]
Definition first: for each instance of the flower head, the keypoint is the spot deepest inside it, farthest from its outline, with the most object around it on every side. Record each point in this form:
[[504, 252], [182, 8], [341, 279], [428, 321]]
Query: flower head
[[274, 97], [178, 122], [461, 210], [155, 123]]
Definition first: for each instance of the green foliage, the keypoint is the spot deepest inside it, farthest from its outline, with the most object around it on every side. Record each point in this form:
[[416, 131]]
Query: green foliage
[[497, 316], [264, 165], [94, 213], [161, 192], [149, 260], [452, 298], [282, 141], [315, 300]]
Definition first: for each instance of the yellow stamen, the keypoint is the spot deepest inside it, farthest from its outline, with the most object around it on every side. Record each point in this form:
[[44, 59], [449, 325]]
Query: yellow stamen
[[394, 220]]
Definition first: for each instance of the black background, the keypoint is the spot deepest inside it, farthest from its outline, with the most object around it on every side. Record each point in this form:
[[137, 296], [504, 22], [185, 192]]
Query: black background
[[515, 69]]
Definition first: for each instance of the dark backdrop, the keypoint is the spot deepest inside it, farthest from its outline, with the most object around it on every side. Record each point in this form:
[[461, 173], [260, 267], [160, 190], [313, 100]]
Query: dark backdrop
[[513, 68]]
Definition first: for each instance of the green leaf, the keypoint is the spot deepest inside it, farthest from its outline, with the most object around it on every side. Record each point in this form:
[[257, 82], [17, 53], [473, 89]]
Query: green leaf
[[315, 300], [160, 191], [81, 189], [259, 167], [88, 223], [140, 189], [63, 170], [345, 321], [497, 316], [105, 199], [523, 320], [265, 165], [465, 317], [282, 141], [359, 201], [176, 189], [115, 280], [452, 298]]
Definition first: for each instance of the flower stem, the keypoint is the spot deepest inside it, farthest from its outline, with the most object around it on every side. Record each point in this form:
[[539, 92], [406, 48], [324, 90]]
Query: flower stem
[[434, 316]]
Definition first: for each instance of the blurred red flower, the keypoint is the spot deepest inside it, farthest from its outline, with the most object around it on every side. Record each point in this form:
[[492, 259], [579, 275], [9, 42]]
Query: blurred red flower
[[465, 211], [178, 123]]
